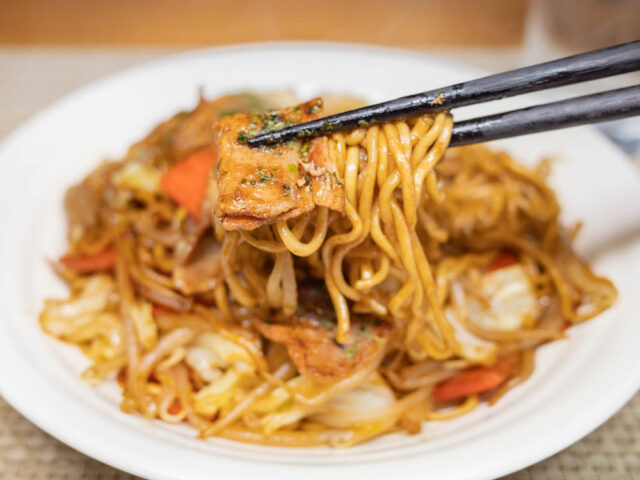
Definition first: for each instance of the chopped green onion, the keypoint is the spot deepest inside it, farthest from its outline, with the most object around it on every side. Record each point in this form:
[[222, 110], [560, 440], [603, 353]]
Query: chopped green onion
[[351, 351]]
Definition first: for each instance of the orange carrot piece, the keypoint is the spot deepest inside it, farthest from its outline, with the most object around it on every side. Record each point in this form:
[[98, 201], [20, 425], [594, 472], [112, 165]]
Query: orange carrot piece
[[185, 182], [175, 407], [476, 380], [504, 259], [104, 260]]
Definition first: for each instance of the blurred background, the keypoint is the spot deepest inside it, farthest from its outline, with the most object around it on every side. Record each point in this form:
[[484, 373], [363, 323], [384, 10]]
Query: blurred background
[[413, 23], [51, 47]]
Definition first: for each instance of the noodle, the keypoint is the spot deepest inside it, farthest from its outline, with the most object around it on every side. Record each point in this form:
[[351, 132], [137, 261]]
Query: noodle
[[294, 245], [443, 266]]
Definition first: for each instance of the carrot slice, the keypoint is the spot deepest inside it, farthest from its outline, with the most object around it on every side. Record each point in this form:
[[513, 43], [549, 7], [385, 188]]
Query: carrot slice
[[476, 380], [175, 407], [185, 182], [104, 260], [504, 259]]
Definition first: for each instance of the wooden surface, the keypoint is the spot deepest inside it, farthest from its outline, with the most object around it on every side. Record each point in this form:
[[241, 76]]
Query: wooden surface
[[417, 23]]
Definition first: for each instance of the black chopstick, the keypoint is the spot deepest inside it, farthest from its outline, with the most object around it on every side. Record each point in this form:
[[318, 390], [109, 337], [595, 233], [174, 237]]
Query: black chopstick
[[599, 107], [578, 68]]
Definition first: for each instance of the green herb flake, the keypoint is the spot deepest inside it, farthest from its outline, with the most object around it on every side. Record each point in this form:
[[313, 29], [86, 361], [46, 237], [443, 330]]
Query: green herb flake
[[312, 109], [350, 351], [242, 137], [363, 123], [287, 190], [293, 168], [307, 180], [265, 178], [335, 175], [252, 182], [254, 117], [304, 149]]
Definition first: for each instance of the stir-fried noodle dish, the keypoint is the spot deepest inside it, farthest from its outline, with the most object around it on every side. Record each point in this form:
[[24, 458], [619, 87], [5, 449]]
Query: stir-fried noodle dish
[[318, 292]]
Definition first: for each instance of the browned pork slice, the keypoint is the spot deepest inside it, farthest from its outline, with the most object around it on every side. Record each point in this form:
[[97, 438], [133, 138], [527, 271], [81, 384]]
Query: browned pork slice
[[310, 338], [201, 269], [257, 186]]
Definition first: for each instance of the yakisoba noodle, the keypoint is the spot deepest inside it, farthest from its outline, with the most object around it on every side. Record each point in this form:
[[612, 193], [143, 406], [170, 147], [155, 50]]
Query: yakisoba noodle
[[426, 294]]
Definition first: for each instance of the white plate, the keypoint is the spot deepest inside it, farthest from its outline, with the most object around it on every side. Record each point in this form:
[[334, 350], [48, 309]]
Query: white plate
[[577, 384]]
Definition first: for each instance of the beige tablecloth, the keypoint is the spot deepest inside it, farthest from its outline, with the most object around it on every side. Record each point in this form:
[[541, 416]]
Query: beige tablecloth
[[31, 79]]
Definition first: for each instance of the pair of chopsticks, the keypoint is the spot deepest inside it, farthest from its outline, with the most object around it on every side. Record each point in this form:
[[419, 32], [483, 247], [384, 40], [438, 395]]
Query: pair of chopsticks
[[611, 105]]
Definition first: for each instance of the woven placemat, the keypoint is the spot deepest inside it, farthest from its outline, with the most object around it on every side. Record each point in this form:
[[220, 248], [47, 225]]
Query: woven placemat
[[612, 452], [31, 79]]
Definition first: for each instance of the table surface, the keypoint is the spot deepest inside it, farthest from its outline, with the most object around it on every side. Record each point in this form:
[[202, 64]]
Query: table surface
[[34, 78]]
